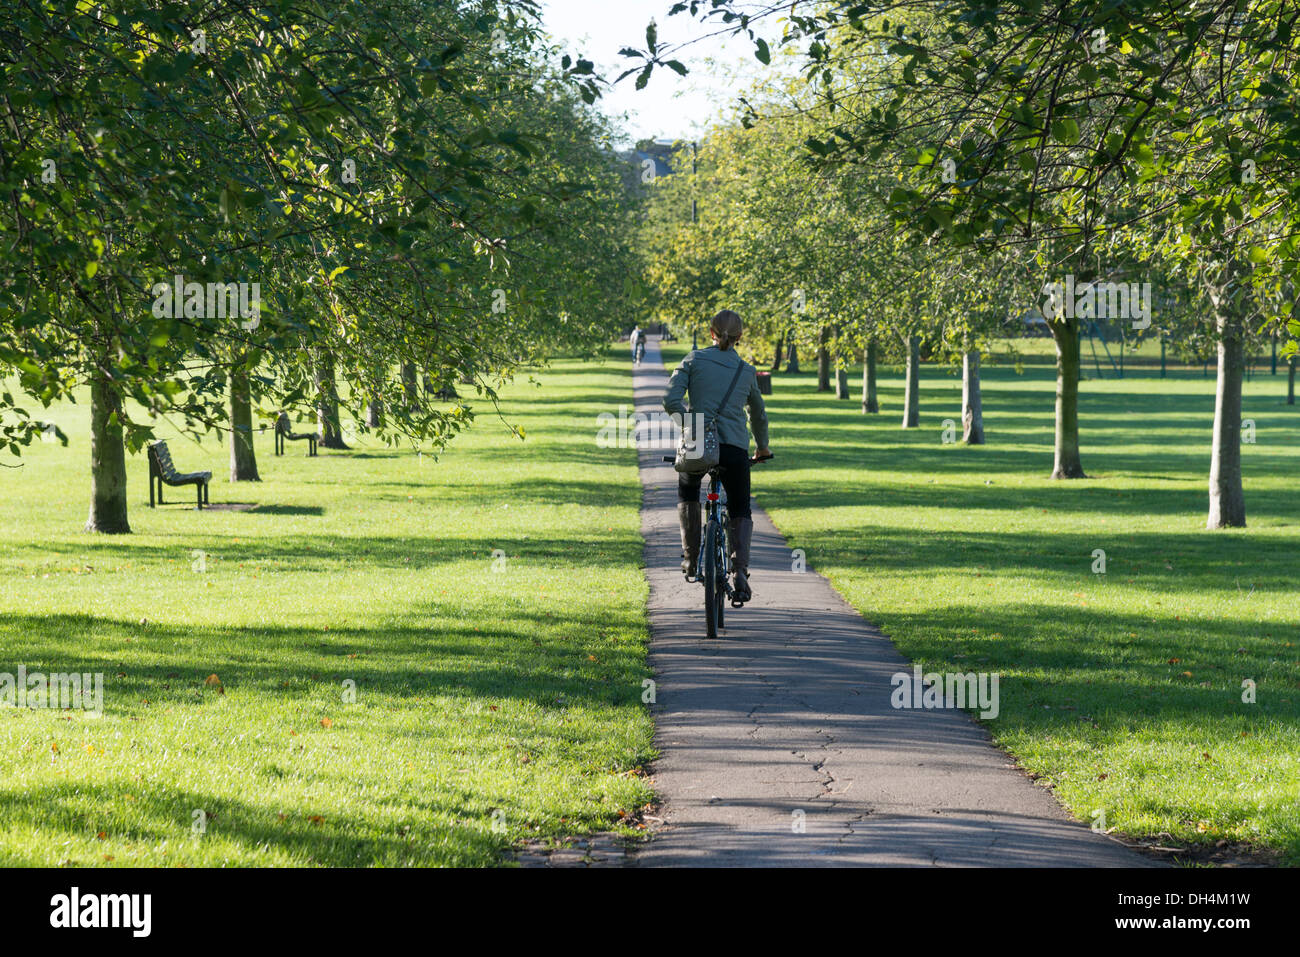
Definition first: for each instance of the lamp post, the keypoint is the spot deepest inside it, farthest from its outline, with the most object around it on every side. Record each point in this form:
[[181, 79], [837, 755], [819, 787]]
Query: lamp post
[[694, 214]]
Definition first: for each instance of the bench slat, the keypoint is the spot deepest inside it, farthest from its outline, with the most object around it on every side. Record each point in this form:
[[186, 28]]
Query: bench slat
[[163, 459]]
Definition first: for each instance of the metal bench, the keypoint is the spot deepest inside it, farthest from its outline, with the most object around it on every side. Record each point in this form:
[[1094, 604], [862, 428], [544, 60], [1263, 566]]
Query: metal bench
[[283, 431], [163, 472]]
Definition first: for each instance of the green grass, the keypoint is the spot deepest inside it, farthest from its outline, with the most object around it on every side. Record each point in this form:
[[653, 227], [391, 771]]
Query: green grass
[[1122, 690], [515, 692], [1102, 359]]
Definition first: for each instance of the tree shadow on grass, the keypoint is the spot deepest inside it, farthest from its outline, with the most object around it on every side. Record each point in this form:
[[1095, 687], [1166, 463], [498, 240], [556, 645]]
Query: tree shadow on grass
[[532, 659], [159, 813], [322, 551], [1169, 565], [289, 510]]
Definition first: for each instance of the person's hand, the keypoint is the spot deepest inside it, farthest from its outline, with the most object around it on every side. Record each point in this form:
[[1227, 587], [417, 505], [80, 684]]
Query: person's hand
[[763, 454]]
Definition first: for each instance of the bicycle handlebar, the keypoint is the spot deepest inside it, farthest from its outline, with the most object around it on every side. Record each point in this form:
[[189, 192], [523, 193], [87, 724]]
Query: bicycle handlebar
[[753, 461]]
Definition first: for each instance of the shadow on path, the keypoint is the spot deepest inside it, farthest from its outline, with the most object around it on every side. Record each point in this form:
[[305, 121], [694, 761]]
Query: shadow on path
[[778, 742]]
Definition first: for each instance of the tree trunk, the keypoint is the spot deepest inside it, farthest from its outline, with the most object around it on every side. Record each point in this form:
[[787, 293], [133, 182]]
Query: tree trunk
[[912, 390], [327, 406], [374, 413], [1290, 382], [841, 382], [972, 408], [792, 360], [409, 384], [1227, 499], [869, 404], [243, 458], [107, 458], [1068, 464], [824, 360], [776, 356]]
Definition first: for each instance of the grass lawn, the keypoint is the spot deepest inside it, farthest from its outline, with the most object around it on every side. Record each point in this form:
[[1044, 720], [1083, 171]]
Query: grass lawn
[[496, 700], [1123, 690]]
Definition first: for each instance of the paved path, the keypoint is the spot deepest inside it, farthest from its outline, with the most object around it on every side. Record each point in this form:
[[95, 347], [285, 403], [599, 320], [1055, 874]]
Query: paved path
[[789, 712]]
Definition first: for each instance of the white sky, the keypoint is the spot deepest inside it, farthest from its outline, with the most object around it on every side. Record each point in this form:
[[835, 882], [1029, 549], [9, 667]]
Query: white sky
[[671, 106]]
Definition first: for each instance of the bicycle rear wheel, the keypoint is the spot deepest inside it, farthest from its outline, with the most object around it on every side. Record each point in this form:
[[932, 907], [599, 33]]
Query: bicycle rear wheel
[[724, 549], [712, 600]]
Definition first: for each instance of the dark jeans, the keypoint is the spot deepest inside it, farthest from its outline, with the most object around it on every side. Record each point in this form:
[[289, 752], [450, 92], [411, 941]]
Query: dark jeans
[[735, 479]]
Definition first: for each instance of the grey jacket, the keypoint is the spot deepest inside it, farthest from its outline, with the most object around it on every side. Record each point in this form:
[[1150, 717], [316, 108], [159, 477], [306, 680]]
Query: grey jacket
[[705, 375]]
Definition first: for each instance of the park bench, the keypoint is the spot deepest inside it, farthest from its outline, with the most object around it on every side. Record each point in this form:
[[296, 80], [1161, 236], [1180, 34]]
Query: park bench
[[162, 470], [282, 432]]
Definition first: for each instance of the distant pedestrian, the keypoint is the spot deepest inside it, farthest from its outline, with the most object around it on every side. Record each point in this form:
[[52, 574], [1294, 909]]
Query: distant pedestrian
[[638, 345]]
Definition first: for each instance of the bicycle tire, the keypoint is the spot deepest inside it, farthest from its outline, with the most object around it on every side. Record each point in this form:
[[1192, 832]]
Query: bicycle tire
[[720, 591], [710, 571], [723, 550]]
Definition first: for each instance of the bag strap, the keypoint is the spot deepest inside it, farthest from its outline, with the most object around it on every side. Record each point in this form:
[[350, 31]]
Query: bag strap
[[731, 388]]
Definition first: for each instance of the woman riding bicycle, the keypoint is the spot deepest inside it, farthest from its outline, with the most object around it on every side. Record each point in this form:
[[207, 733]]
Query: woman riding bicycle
[[705, 375]]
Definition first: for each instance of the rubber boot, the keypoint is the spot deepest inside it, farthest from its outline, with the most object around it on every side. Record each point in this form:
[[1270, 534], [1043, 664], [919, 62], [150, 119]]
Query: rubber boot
[[688, 517], [742, 531]]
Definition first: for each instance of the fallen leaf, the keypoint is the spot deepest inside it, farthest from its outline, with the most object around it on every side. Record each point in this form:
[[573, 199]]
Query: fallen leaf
[[326, 723]]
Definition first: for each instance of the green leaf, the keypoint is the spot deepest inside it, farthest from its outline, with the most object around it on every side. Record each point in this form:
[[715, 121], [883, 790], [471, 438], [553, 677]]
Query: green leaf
[[1066, 131]]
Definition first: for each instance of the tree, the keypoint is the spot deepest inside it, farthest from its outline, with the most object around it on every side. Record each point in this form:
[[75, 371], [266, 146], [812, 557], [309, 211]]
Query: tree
[[369, 168], [1058, 126]]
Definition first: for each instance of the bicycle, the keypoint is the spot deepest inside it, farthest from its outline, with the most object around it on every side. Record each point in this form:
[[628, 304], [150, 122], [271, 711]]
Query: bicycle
[[713, 567]]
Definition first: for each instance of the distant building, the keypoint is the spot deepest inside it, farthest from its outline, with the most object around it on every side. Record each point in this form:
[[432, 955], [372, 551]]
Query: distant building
[[648, 161]]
